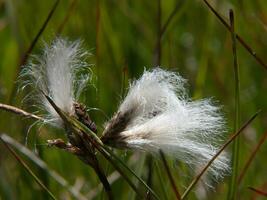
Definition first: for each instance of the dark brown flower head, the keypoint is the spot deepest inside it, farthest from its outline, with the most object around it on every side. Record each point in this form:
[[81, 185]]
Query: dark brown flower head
[[83, 116]]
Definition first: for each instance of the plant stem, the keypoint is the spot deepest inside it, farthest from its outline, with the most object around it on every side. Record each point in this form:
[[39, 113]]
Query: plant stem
[[251, 157], [174, 187], [233, 182], [19, 111], [31, 47], [232, 138], [102, 177], [238, 37], [28, 169], [66, 18], [158, 44]]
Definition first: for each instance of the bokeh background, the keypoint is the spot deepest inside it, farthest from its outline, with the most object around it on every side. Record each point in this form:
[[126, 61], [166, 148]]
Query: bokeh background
[[125, 37]]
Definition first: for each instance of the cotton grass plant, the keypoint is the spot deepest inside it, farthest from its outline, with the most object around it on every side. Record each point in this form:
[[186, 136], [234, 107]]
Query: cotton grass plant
[[156, 114], [146, 119]]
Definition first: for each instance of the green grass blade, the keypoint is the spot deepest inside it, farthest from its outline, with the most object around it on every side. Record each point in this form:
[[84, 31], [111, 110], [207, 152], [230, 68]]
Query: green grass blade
[[235, 157], [40, 163], [132, 172], [163, 185], [28, 169]]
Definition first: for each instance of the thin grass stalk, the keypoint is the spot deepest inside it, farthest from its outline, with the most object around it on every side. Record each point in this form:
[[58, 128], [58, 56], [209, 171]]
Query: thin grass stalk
[[171, 179], [102, 177], [28, 169], [232, 194], [19, 111], [161, 181], [178, 6], [251, 157], [132, 172], [31, 47], [157, 63], [40, 163], [67, 16], [114, 164], [114, 176], [97, 48], [106, 171], [204, 59], [238, 37], [40, 32], [232, 138], [124, 82], [138, 170], [150, 170], [158, 46], [262, 193]]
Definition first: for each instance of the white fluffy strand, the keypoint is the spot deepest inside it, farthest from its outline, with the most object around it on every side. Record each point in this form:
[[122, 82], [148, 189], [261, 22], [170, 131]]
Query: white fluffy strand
[[57, 73], [163, 117]]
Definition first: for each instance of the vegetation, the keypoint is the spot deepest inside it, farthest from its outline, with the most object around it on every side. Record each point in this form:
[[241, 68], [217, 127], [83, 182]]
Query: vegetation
[[218, 46]]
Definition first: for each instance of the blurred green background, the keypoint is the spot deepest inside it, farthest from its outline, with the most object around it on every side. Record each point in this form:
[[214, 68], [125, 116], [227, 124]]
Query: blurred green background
[[123, 38]]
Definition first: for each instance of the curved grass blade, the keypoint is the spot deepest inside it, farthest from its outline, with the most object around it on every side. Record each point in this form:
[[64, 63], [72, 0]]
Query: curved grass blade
[[67, 16], [163, 186], [19, 111], [262, 193], [238, 37], [132, 172], [35, 40], [233, 137], [30, 48], [28, 169], [251, 157], [40, 163], [174, 187], [113, 177], [178, 6]]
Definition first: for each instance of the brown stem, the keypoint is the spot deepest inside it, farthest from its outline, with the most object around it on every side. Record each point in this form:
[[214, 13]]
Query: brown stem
[[102, 177], [239, 38], [30, 48], [174, 187], [19, 111], [231, 139], [67, 16], [251, 157]]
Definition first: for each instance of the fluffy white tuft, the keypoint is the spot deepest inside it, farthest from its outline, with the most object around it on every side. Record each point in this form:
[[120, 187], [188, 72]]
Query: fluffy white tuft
[[57, 73], [157, 114]]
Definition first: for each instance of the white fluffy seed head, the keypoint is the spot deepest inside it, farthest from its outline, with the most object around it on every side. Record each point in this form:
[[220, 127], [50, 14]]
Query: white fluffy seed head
[[57, 73], [157, 114]]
